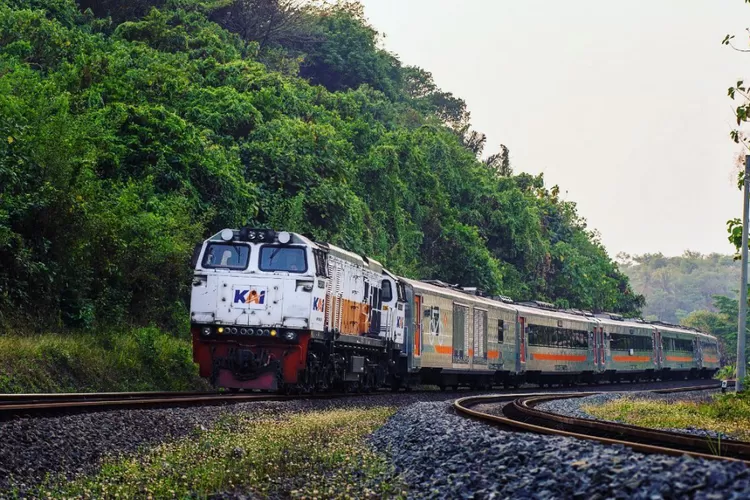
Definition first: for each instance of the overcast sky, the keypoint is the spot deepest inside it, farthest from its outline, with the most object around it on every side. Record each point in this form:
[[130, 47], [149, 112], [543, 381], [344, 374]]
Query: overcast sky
[[623, 104]]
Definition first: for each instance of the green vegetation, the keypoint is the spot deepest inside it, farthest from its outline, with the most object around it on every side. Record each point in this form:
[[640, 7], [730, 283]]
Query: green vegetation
[[722, 323], [695, 290], [676, 286], [132, 130], [317, 454], [141, 359], [726, 413]]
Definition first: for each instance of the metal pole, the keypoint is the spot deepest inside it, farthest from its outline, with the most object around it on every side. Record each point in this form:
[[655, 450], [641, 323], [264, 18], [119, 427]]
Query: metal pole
[[743, 285]]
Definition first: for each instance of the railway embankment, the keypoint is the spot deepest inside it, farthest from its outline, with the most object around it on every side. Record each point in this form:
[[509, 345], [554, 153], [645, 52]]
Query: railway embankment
[[127, 359], [703, 413], [440, 454], [283, 448]]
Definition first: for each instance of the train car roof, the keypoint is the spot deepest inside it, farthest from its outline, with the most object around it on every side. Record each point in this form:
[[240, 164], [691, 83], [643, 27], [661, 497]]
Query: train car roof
[[554, 313], [461, 295]]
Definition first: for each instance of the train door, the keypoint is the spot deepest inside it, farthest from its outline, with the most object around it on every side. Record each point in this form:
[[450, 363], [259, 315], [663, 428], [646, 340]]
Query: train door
[[479, 338], [409, 325], [658, 351], [596, 344], [698, 353], [602, 350], [470, 336], [521, 343], [417, 326]]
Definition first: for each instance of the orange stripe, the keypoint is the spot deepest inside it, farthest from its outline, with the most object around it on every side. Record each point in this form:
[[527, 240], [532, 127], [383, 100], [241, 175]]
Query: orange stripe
[[559, 357], [710, 359], [443, 349], [679, 358], [625, 359], [493, 354]]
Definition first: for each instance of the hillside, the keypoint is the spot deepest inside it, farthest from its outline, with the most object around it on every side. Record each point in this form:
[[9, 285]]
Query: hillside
[[131, 131], [677, 286]]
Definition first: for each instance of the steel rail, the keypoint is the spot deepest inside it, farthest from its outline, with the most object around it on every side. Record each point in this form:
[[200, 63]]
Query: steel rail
[[45, 408], [48, 404], [91, 396], [520, 414]]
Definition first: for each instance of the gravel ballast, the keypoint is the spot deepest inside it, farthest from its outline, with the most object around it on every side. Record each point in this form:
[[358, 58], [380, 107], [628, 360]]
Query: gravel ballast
[[443, 455], [70, 445], [31, 448], [573, 407]]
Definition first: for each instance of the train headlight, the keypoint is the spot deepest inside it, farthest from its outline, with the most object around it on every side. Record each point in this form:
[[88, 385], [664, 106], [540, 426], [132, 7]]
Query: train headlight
[[206, 330], [289, 335], [227, 235], [284, 237], [273, 333], [220, 330]]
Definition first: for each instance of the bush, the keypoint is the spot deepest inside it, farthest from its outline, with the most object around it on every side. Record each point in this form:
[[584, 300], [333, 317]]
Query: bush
[[143, 359]]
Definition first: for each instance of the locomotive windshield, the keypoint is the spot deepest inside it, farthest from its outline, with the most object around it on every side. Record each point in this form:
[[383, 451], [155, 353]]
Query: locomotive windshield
[[226, 256], [283, 258]]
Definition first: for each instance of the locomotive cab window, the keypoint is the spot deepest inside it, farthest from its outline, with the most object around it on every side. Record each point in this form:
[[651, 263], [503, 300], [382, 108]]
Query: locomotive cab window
[[226, 256], [386, 292], [283, 258]]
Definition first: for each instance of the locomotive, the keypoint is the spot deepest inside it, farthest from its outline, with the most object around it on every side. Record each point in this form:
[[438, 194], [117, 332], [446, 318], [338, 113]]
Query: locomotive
[[275, 311]]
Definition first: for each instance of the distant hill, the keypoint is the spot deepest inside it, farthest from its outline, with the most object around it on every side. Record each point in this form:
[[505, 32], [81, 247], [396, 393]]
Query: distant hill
[[676, 286]]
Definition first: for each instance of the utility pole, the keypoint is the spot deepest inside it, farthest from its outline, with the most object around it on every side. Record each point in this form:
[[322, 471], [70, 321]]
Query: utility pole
[[743, 285]]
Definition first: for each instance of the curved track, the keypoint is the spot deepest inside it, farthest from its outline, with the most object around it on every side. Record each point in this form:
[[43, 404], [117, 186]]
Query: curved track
[[520, 413], [49, 404]]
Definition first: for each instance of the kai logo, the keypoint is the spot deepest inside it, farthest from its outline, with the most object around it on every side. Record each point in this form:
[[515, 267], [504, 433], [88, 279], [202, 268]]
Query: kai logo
[[318, 304], [250, 296]]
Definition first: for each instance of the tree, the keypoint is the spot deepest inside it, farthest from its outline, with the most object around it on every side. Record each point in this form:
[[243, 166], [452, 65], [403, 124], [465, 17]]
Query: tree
[[271, 23], [128, 138]]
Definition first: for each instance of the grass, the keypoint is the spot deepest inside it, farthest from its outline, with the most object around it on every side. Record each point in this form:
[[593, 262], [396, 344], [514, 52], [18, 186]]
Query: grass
[[728, 414], [318, 454], [138, 359]]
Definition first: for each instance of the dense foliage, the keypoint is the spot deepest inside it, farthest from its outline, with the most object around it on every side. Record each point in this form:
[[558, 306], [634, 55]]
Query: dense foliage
[[722, 322], [676, 286], [132, 130]]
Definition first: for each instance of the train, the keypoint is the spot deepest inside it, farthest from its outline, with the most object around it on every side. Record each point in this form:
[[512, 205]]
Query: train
[[276, 311]]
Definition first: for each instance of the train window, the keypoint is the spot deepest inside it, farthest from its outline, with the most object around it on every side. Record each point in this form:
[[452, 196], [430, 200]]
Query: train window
[[680, 345], [226, 256], [500, 331], [321, 263], [401, 292], [622, 342], [283, 258], [708, 348], [563, 338], [386, 292]]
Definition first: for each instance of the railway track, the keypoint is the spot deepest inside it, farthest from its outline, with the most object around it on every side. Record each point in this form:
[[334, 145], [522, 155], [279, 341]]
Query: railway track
[[41, 405], [35, 405], [50, 404], [519, 412]]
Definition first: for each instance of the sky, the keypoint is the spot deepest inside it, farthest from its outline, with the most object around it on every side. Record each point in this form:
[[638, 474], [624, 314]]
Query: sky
[[622, 104]]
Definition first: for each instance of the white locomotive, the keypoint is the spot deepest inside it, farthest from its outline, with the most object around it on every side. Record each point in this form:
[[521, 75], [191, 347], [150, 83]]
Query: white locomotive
[[276, 310]]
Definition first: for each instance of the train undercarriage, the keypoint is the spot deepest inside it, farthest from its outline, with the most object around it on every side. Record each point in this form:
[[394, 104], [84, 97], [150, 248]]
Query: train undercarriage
[[329, 362]]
